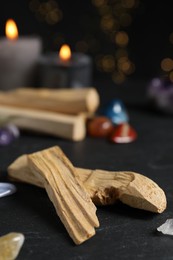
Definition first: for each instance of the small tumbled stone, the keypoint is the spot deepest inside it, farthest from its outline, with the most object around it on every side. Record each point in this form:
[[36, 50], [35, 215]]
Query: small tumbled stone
[[116, 112], [8, 133], [160, 94], [10, 245], [6, 189], [5, 137], [123, 133], [99, 126]]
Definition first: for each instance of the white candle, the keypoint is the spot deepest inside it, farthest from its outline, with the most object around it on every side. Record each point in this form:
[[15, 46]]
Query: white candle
[[18, 59]]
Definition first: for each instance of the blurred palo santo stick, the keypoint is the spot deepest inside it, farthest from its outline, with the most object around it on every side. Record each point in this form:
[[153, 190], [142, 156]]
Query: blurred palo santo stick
[[66, 126], [69, 101]]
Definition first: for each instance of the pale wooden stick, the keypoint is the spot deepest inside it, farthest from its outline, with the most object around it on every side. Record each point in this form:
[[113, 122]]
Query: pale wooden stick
[[69, 101], [105, 187], [72, 127], [72, 203], [131, 188], [19, 170]]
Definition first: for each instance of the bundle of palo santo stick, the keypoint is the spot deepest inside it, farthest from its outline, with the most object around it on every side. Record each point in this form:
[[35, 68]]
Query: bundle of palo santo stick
[[74, 191], [59, 112]]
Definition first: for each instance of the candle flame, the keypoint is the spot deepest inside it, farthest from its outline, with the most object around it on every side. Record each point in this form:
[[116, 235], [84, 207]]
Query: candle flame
[[65, 53], [11, 30]]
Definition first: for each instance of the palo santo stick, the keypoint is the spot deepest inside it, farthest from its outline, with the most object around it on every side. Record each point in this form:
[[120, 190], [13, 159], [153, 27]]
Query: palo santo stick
[[72, 203], [131, 188], [72, 127], [105, 187], [69, 101], [19, 170]]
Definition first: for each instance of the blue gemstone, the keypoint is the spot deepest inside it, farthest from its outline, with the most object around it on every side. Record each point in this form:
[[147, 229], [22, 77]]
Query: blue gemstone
[[116, 112]]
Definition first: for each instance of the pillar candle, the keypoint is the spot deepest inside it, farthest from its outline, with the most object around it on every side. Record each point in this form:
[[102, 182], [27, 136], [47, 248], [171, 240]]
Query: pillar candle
[[18, 59]]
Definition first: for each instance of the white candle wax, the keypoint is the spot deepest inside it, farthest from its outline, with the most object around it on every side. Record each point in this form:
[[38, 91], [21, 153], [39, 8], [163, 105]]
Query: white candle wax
[[18, 59]]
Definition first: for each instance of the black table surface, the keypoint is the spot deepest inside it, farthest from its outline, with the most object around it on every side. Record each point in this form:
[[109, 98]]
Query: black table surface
[[124, 232]]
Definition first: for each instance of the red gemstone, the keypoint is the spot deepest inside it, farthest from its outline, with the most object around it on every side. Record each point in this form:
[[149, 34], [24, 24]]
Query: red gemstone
[[123, 133], [99, 127]]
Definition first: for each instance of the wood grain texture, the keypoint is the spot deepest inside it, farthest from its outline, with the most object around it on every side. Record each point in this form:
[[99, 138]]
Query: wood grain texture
[[68, 101], [105, 187], [72, 127], [72, 203]]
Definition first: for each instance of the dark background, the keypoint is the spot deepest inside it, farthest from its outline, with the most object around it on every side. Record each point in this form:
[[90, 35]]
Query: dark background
[[124, 233], [149, 31]]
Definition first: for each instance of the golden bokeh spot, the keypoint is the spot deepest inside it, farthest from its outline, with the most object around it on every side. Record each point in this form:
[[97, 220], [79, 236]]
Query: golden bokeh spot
[[53, 16], [131, 69], [121, 38], [123, 65], [108, 63], [47, 11], [107, 23], [118, 77], [167, 64]]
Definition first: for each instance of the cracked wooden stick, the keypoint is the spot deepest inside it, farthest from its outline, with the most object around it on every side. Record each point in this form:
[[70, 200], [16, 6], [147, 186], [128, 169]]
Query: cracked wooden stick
[[70, 199], [105, 187]]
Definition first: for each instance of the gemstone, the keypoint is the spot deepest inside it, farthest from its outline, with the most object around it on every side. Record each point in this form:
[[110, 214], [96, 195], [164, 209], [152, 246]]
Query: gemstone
[[99, 126], [158, 85], [116, 112], [167, 227], [8, 134], [123, 133], [10, 245], [160, 94], [6, 189]]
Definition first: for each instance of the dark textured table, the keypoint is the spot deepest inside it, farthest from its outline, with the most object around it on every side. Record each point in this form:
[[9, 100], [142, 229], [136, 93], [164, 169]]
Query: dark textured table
[[124, 232]]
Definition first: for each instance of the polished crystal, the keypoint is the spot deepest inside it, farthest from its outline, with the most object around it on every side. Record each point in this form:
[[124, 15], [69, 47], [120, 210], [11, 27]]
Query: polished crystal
[[10, 245]]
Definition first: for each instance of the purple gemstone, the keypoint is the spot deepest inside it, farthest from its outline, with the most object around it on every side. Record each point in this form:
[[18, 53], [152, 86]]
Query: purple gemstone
[[5, 136], [159, 85], [8, 134]]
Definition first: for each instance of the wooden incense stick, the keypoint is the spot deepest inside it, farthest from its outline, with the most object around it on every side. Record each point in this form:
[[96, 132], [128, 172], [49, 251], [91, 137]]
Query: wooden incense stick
[[72, 203], [69, 101], [105, 187], [72, 127]]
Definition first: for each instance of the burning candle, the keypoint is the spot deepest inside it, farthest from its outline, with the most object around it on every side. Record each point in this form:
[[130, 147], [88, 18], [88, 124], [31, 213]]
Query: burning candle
[[65, 69], [18, 57]]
